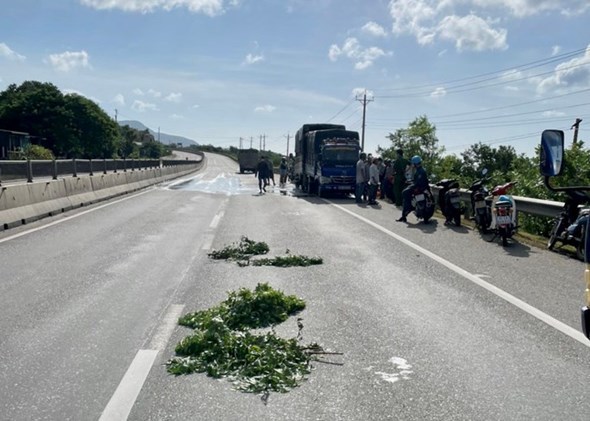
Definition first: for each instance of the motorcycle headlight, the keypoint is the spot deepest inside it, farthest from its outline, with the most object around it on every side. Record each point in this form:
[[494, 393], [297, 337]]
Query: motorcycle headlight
[[325, 180]]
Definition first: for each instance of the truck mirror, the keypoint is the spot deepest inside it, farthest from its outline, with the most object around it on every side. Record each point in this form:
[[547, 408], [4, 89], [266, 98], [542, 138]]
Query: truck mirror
[[551, 163]]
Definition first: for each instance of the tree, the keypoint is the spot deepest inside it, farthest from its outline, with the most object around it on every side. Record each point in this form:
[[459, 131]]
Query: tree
[[38, 109], [419, 138], [95, 132]]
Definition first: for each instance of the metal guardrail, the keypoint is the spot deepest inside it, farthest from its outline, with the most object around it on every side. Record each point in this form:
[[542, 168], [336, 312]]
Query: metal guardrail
[[530, 206], [31, 169]]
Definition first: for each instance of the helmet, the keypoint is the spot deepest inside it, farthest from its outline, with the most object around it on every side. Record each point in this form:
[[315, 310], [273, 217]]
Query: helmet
[[416, 160]]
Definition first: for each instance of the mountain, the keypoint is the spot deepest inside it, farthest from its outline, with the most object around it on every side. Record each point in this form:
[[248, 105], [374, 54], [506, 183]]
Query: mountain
[[164, 138]]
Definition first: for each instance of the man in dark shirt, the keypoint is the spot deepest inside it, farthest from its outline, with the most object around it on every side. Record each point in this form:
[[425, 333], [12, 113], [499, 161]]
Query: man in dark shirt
[[420, 182]]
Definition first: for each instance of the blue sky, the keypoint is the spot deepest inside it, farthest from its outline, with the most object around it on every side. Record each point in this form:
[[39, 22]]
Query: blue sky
[[495, 71]]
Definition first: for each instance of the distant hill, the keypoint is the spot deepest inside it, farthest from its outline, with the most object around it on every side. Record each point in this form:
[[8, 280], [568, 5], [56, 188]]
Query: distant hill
[[164, 138]]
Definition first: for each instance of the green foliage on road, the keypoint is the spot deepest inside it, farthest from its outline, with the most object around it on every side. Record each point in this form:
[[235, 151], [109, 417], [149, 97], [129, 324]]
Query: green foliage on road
[[288, 261], [222, 346], [246, 309], [242, 250], [245, 249]]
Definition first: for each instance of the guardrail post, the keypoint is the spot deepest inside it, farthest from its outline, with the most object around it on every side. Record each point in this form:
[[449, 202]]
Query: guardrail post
[[115, 162], [104, 162], [29, 171], [74, 166], [0, 175], [132, 164], [90, 165], [124, 164], [54, 169]]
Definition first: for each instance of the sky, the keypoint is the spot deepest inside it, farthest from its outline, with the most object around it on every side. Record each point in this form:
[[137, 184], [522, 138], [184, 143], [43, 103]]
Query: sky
[[217, 71]]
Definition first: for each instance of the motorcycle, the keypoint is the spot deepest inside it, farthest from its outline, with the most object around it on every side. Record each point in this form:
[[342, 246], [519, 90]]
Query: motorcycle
[[480, 208], [503, 223], [570, 226], [449, 201], [423, 204]]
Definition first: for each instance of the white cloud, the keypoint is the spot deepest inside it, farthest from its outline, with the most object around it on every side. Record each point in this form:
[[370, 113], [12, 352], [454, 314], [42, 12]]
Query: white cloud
[[69, 60], [154, 93], [138, 92], [555, 50], [374, 29], [119, 99], [143, 106], [177, 117], [569, 74], [438, 93], [8, 53], [522, 8], [251, 59], [207, 7], [472, 33], [174, 97], [363, 57], [196, 106], [265, 109]]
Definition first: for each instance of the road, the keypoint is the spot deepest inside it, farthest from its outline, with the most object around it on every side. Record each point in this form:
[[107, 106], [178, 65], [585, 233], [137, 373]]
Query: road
[[434, 323]]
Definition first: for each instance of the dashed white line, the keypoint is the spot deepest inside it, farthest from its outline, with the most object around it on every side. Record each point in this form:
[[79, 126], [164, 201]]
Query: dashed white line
[[123, 399]]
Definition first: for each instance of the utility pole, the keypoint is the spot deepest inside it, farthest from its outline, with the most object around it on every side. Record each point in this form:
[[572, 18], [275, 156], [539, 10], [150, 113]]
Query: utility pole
[[241, 143], [364, 101], [116, 115], [251, 139], [576, 126], [264, 141], [288, 136], [260, 143], [158, 133]]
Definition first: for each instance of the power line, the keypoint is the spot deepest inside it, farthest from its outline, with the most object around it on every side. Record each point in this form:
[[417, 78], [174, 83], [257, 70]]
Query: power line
[[501, 72]]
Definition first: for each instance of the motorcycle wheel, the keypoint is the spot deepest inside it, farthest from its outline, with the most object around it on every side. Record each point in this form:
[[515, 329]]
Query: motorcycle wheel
[[556, 231], [483, 224], [504, 239], [580, 249], [457, 219]]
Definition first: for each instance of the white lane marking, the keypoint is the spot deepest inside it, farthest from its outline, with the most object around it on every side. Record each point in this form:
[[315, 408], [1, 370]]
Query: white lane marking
[[67, 218], [122, 401], [169, 322], [545, 318], [124, 397], [207, 242], [216, 220], [218, 215]]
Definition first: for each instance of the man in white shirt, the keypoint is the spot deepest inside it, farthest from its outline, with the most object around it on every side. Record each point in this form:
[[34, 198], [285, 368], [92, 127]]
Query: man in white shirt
[[360, 178]]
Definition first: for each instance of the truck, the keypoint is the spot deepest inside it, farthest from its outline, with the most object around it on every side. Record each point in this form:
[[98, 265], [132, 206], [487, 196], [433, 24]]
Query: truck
[[325, 159], [248, 159]]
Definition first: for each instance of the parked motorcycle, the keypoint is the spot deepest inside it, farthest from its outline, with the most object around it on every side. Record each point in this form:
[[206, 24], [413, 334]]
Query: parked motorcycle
[[449, 201], [423, 204], [480, 209], [503, 223], [570, 226]]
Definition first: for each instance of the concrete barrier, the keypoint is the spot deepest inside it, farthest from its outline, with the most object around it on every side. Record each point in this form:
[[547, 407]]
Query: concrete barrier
[[23, 203]]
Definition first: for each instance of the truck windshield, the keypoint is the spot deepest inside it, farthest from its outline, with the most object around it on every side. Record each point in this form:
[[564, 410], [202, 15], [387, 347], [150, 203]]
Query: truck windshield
[[340, 155]]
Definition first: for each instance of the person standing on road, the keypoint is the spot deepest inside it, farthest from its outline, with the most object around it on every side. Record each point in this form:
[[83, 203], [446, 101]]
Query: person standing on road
[[360, 178], [399, 173], [271, 172], [373, 181], [283, 167], [262, 174]]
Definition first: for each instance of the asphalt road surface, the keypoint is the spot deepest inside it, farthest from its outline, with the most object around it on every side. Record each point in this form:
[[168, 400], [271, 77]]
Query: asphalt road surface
[[434, 323]]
